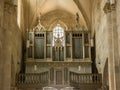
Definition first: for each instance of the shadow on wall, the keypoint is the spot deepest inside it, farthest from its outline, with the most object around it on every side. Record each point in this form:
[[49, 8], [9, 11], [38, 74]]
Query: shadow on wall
[[105, 76], [93, 57]]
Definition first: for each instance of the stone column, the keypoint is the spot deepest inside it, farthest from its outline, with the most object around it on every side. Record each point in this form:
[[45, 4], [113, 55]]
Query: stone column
[[1, 12], [115, 46], [6, 66], [1, 59], [118, 31], [7, 44], [111, 63], [1, 43], [113, 59]]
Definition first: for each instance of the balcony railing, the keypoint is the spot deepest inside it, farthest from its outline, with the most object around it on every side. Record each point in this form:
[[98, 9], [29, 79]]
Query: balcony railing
[[79, 80], [40, 80], [32, 79]]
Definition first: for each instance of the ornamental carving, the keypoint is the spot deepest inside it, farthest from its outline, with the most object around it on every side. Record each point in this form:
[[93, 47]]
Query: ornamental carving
[[109, 7], [9, 7], [113, 6]]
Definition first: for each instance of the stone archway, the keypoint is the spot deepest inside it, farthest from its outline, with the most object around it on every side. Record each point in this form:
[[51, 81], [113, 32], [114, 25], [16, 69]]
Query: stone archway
[[105, 76]]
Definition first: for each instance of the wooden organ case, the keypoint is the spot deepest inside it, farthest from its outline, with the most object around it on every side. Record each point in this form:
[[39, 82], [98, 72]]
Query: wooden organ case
[[45, 54]]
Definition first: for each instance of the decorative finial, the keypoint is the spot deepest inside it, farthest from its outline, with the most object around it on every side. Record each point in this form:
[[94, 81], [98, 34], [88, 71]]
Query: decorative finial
[[39, 26]]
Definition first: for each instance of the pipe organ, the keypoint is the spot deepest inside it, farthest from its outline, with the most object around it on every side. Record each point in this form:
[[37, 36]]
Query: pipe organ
[[58, 52], [76, 46]]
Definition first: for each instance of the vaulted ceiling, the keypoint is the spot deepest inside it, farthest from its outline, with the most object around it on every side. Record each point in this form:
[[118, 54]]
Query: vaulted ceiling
[[32, 8]]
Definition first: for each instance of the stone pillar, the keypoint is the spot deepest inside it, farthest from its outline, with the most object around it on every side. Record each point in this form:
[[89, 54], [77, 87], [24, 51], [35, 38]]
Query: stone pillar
[[115, 46], [7, 44], [6, 50], [111, 63], [1, 44], [6, 65], [1, 11], [1, 59], [118, 31], [10, 42], [113, 59]]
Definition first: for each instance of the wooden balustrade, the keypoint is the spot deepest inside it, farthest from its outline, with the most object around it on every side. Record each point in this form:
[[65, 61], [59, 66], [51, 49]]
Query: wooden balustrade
[[77, 79], [39, 80], [32, 79]]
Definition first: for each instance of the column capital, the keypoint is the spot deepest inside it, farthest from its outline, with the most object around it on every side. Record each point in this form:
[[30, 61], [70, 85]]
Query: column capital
[[9, 7], [113, 7], [108, 8]]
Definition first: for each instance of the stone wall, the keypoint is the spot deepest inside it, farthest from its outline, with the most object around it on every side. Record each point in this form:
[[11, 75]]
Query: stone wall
[[10, 45]]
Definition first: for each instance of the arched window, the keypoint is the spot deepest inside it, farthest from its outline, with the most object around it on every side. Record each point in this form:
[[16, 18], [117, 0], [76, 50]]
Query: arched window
[[58, 34]]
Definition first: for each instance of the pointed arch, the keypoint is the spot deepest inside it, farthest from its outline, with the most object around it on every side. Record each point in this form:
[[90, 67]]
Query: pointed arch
[[55, 22]]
